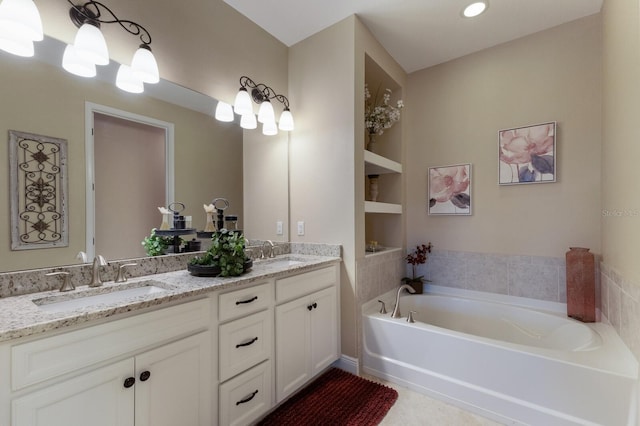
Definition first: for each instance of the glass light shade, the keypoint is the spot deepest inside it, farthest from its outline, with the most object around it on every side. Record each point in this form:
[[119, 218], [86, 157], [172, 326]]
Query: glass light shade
[[10, 42], [224, 112], [77, 65], [474, 9], [265, 113], [286, 121], [127, 81], [269, 128], [144, 66], [248, 121], [21, 17], [242, 105], [90, 44]]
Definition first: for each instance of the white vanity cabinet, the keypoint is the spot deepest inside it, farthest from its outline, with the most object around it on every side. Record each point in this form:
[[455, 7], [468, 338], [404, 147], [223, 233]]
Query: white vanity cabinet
[[152, 369], [306, 321], [245, 351]]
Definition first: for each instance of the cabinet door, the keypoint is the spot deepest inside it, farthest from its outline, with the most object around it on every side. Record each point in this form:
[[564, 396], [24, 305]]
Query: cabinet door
[[173, 384], [324, 329], [292, 346], [98, 398]]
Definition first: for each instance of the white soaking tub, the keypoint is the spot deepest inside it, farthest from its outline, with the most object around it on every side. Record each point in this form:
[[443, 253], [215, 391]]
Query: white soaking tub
[[514, 364]]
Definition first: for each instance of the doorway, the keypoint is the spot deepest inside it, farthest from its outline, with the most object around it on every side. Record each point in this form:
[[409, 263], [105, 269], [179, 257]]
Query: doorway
[[131, 158]]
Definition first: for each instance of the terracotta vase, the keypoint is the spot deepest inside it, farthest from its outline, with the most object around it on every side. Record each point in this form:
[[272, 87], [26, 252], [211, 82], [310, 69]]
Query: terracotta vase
[[581, 284]]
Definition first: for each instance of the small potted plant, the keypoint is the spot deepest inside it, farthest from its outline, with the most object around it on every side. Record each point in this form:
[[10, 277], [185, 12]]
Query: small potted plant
[[155, 245], [225, 257], [417, 257]]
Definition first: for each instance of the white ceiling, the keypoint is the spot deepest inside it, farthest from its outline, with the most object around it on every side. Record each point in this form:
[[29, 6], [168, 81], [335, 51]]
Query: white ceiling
[[417, 33]]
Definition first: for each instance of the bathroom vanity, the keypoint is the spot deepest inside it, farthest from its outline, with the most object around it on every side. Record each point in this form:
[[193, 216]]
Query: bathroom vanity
[[192, 351]]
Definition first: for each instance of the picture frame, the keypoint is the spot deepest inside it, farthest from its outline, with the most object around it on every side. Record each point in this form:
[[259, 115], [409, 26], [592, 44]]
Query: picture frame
[[38, 191], [527, 154], [449, 190]]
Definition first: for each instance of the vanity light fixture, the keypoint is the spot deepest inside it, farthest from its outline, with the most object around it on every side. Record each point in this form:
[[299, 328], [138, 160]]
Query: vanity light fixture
[[224, 112], [90, 48], [262, 95], [475, 9], [20, 26]]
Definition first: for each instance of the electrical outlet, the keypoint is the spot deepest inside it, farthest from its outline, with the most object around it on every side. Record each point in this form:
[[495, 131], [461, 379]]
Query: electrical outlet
[[300, 227], [279, 228]]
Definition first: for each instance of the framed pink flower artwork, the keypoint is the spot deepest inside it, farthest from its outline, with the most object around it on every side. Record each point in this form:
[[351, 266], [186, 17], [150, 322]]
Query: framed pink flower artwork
[[450, 190], [527, 154]]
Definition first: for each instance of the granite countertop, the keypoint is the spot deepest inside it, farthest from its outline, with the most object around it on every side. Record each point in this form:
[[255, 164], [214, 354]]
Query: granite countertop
[[20, 316]]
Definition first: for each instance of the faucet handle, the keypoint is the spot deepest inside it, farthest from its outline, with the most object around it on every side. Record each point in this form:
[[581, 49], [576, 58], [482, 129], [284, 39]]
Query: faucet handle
[[383, 308], [122, 277], [67, 285], [410, 317]]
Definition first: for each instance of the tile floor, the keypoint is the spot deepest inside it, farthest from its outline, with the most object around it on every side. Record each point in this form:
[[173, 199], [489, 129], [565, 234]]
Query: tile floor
[[415, 409]]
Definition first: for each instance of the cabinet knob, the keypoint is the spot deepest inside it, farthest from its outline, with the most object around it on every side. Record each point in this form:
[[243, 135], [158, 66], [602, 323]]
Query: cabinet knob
[[129, 381], [309, 307], [248, 398], [144, 376], [315, 305]]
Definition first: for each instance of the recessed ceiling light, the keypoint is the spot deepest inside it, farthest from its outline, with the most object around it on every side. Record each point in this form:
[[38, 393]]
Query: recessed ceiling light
[[474, 9]]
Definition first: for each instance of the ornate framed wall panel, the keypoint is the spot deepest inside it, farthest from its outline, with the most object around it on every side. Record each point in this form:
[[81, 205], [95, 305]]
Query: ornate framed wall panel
[[38, 167]]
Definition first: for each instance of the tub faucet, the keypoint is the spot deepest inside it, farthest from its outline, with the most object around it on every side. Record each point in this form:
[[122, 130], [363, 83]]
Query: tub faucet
[[396, 310], [98, 261]]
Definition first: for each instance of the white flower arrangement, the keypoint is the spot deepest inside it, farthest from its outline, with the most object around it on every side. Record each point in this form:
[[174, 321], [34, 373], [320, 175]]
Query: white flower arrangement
[[378, 118]]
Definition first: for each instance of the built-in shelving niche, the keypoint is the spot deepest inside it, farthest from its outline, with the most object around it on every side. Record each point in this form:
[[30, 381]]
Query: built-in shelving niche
[[384, 218]]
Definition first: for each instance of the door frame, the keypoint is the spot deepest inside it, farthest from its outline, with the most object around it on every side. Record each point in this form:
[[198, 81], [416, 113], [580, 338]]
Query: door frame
[[169, 131]]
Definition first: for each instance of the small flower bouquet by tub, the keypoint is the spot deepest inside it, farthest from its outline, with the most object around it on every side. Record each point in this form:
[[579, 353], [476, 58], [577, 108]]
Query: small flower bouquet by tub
[[417, 257]]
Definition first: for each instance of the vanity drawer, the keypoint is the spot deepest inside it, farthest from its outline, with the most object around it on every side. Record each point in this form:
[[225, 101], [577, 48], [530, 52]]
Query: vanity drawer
[[247, 397], [307, 283], [244, 343], [47, 358], [243, 302]]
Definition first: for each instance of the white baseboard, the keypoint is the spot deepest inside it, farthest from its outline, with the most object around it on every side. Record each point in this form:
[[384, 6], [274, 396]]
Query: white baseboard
[[347, 363]]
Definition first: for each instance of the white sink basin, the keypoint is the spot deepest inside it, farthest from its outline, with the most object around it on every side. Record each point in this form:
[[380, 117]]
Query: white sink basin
[[99, 296], [284, 262]]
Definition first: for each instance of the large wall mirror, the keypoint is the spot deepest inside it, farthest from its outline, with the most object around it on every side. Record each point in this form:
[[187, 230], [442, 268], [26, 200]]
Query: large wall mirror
[[210, 159]]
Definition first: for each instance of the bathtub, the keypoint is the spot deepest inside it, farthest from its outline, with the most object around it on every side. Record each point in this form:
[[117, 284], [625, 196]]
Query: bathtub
[[513, 364]]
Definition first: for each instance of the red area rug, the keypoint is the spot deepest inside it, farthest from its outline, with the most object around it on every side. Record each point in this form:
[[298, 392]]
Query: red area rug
[[335, 398]]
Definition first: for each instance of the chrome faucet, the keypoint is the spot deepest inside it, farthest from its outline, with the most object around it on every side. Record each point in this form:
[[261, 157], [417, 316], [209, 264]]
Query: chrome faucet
[[98, 261], [122, 277], [396, 310], [67, 285], [270, 247]]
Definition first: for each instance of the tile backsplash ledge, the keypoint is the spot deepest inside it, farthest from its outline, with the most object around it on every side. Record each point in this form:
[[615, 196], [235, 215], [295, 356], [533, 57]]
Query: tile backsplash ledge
[[536, 277]]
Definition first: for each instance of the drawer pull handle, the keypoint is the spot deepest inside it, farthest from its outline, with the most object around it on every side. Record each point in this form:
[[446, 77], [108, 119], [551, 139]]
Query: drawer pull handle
[[242, 302], [129, 381], [250, 342], [247, 399], [144, 376]]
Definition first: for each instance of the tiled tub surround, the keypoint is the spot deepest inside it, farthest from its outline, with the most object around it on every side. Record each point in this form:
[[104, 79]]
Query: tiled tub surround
[[620, 306], [535, 277], [20, 316], [376, 274]]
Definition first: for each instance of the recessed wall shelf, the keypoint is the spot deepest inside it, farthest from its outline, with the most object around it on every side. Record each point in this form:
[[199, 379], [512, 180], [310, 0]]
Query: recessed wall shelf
[[375, 207], [375, 164]]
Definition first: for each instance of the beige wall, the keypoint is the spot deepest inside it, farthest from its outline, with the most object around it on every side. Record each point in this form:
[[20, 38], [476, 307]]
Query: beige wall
[[454, 112], [204, 44], [620, 138], [45, 100], [322, 152]]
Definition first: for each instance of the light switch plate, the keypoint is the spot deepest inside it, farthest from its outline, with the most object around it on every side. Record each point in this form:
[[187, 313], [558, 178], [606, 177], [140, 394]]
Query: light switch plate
[[300, 227], [279, 228]]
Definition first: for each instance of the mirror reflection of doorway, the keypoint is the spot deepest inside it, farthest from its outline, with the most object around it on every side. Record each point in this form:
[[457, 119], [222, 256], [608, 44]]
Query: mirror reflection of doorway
[[130, 183]]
